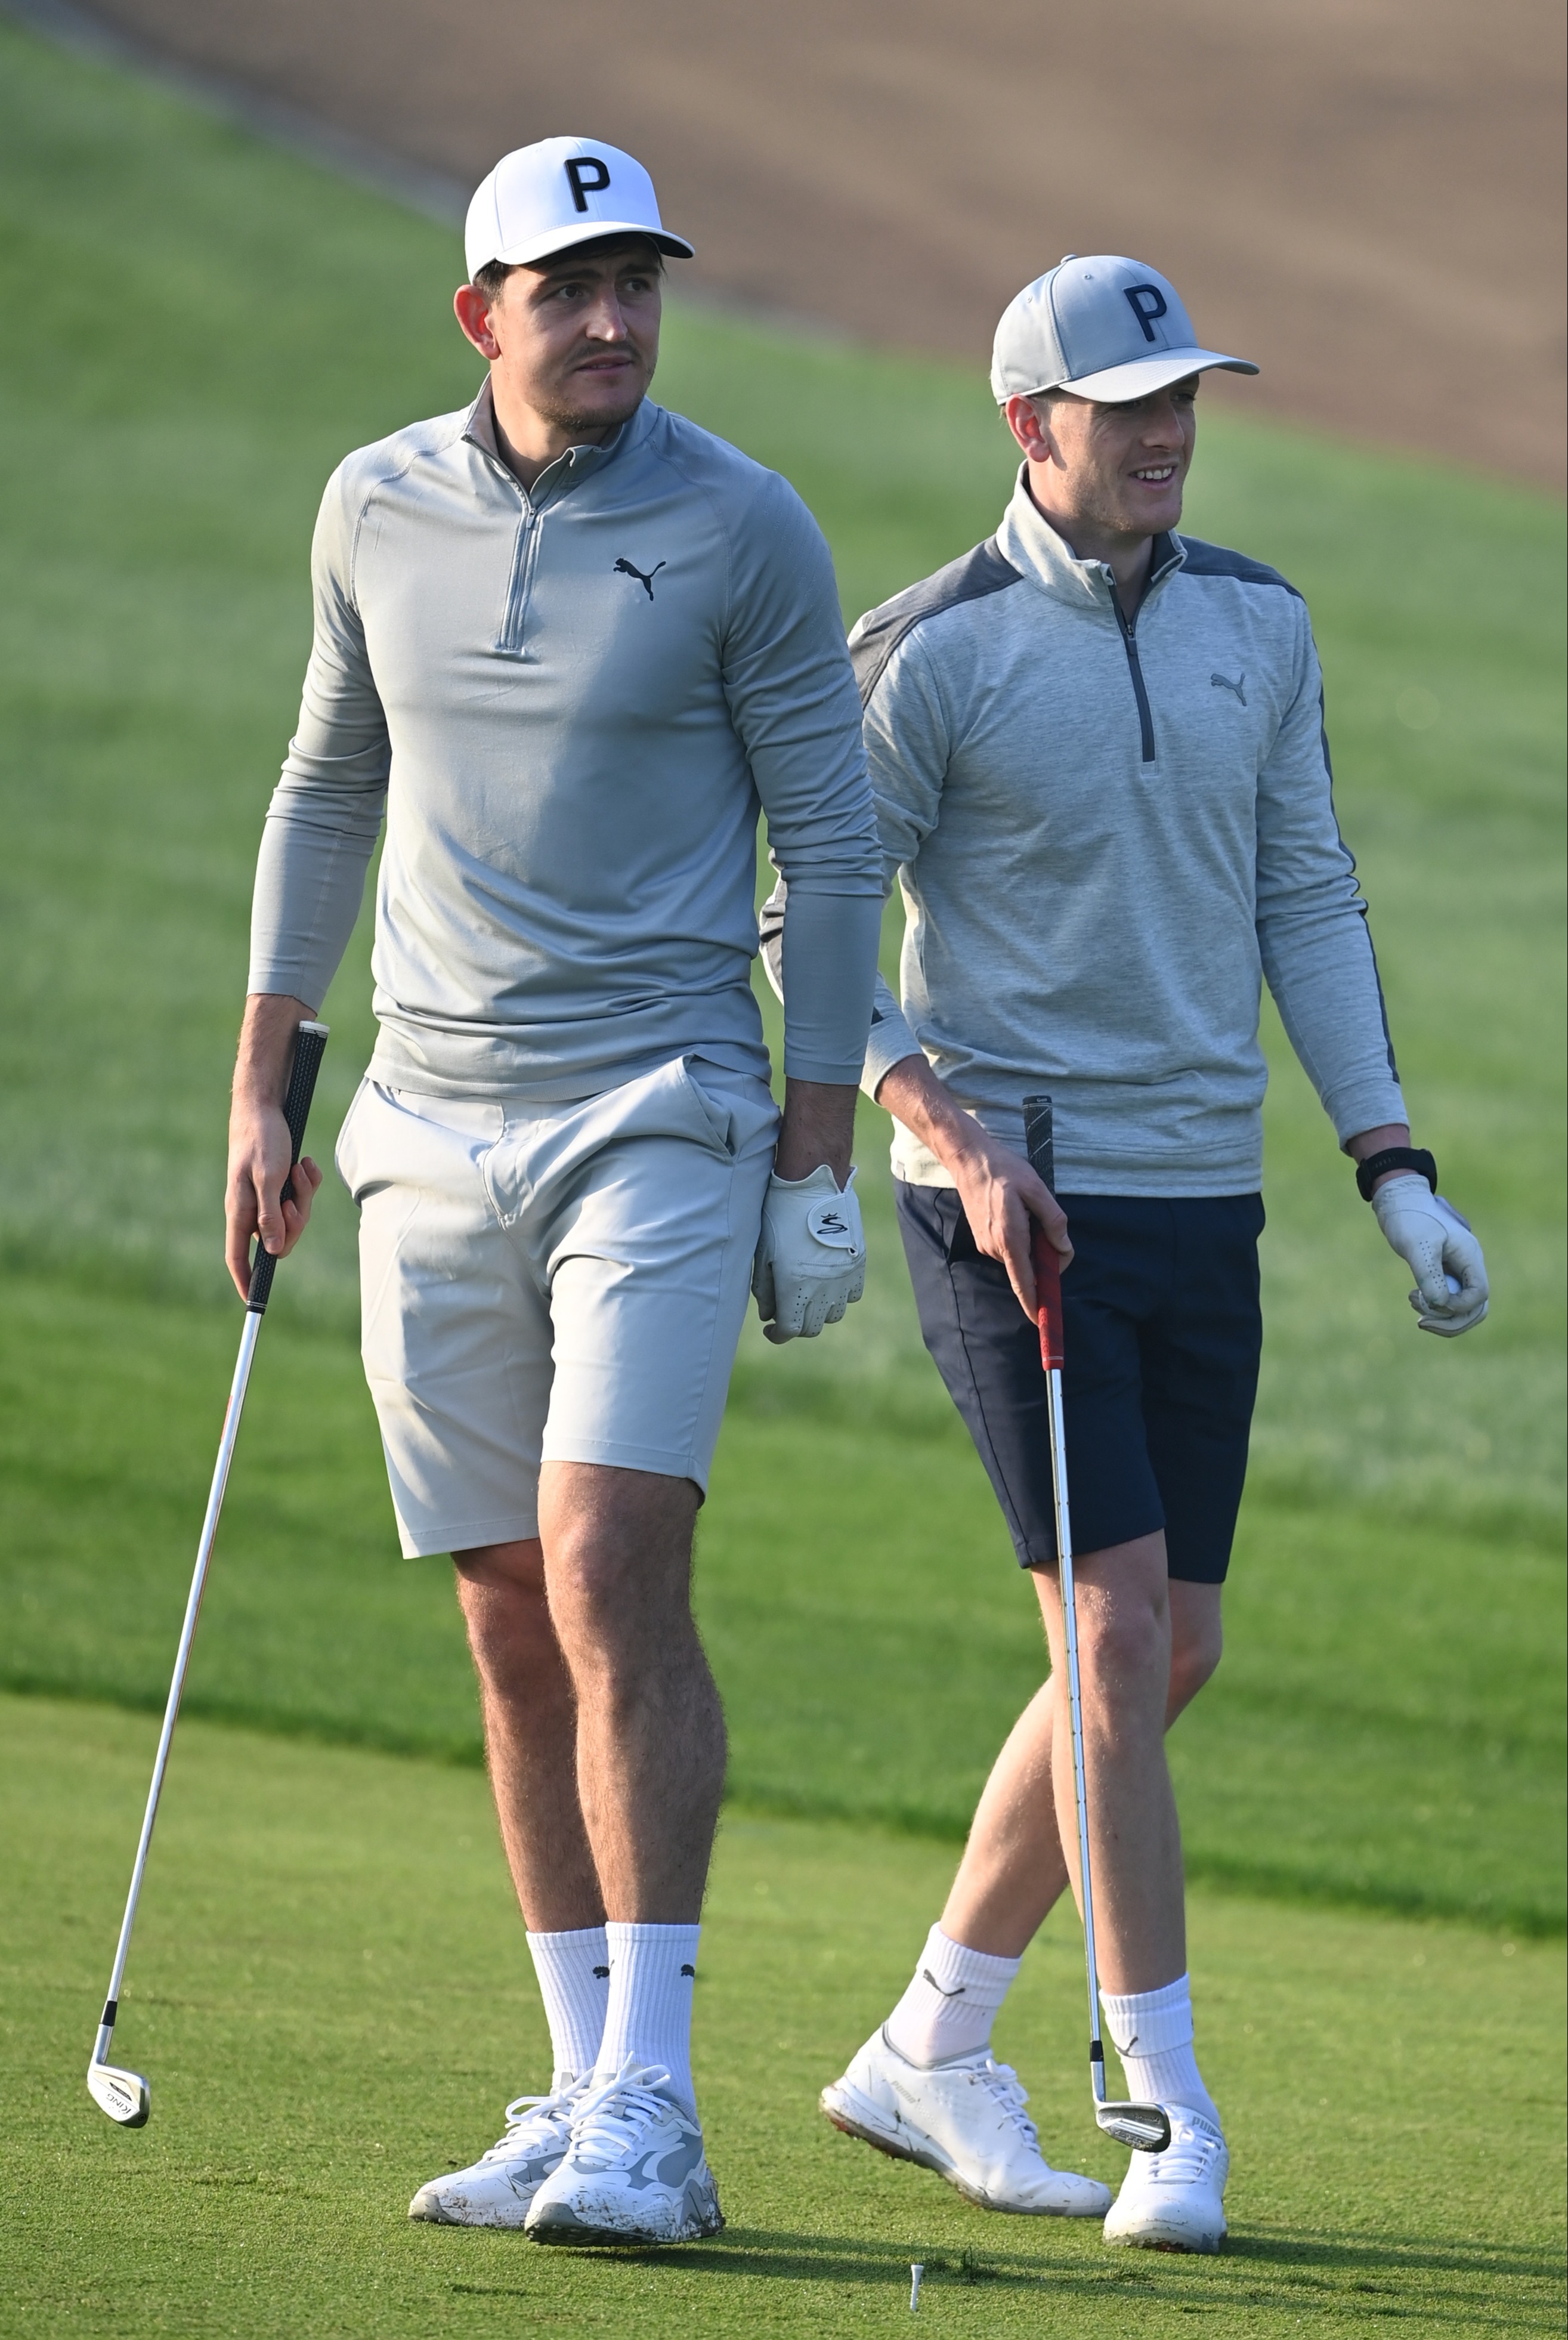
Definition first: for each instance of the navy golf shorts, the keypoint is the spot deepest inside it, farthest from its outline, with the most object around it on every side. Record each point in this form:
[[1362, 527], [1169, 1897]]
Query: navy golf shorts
[[1162, 1333]]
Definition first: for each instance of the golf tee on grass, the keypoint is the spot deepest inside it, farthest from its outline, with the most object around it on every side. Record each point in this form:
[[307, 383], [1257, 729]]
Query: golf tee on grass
[[125, 2095]]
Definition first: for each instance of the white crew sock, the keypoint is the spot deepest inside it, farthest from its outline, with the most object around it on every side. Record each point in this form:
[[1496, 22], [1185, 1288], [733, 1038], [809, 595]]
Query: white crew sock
[[574, 1972], [1155, 2026], [951, 2003], [648, 2018]]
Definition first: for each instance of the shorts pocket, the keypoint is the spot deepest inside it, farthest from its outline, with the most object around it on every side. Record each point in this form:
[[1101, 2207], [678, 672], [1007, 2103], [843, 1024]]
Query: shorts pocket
[[716, 1115], [952, 1219], [345, 1158]]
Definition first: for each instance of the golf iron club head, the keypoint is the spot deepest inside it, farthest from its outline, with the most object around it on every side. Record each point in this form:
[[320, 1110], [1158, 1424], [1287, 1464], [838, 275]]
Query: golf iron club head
[[1145, 2128], [123, 2095]]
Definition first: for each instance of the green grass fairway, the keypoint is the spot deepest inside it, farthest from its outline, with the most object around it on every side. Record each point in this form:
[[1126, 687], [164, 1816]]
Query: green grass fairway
[[329, 1986], [888, 1597], [331, 2001]]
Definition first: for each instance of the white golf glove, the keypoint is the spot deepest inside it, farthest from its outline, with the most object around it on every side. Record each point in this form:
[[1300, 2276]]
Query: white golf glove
[[1442, 1254], [811, 1258]]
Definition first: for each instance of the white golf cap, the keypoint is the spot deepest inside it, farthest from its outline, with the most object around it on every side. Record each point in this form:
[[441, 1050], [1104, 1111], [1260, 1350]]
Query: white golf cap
[[544, 199], [1105, 328]]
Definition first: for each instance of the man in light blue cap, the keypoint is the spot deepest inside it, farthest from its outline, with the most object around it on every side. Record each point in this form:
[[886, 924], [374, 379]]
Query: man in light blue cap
[[1097, 753]]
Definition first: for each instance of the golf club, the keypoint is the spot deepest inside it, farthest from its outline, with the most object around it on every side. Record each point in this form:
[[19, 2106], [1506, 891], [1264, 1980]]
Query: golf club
[[1145, 2128], [123, 2095]]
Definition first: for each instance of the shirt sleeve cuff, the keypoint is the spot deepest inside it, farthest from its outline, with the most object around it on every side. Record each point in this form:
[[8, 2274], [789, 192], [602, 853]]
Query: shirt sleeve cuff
[[891, 1039], [1366, 1109]]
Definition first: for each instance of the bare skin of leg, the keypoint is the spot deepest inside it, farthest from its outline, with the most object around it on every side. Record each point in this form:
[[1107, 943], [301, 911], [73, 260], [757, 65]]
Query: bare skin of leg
[[603, 1721], [530, 1734], [1012, 1870]]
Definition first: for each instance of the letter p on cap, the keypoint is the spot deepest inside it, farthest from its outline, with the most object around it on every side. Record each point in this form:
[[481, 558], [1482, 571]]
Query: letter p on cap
[[578, 169], [1146, 302]]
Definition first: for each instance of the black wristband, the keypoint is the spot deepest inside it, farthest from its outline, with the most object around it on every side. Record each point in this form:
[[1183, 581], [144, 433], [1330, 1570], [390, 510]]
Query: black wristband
[[1395, 1157]]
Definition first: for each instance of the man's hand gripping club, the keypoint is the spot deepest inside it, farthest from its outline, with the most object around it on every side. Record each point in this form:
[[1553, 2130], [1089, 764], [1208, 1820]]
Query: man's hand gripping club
[[259, 1141], [810, 1263], [1003, 1198]]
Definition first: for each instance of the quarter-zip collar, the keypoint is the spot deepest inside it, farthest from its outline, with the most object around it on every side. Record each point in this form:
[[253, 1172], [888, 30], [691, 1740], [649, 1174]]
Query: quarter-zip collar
[[575, 464], [534, 505], [1028, 540]]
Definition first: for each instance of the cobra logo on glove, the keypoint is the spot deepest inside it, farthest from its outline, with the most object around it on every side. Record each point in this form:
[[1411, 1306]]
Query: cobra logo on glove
[[829, 1223], [810, 1263]]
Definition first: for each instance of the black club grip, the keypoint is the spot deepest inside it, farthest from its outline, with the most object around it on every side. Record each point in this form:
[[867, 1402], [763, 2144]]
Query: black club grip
[[310, 1047], [1039, 1139]]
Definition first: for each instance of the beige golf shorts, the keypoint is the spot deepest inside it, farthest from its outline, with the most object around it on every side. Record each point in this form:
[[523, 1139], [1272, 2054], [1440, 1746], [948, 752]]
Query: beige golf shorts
[[561, 1282]]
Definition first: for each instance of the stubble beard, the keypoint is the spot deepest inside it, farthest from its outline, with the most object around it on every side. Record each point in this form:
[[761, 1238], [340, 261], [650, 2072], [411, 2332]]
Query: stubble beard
[[559, 407], [1108, 511]]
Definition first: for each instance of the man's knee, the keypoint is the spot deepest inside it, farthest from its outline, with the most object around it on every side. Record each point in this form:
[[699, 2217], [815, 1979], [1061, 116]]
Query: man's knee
[[1191, 1668], [501, 1591], [1123, 1616], [1122, 1643], [1197, 1641], [618, 1561]]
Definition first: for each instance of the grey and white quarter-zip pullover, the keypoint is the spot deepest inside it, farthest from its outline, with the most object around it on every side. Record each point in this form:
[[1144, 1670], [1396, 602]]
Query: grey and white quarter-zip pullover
[[1107, 836], [570, 700]]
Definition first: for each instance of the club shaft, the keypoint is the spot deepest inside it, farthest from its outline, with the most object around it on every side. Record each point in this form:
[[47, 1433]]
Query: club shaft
[[182, 1657], [1076, 1715]]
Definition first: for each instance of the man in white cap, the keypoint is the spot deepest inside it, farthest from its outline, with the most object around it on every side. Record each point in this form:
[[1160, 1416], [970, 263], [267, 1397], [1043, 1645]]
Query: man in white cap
[[1102, 782], [569, 643]]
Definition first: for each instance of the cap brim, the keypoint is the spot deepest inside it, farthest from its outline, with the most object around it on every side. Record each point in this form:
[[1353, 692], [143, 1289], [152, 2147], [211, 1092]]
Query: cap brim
[[1118, 385], [563, 239]]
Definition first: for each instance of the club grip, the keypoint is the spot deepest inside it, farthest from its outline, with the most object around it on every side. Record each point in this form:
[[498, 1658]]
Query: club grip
[[1039, 1137], [310, 1047]]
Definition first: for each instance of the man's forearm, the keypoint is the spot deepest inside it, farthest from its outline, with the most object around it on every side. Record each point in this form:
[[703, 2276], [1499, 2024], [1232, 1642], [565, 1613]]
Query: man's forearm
[[1002, 1196], [819, 1126], [911, 1092], [267, 1044]]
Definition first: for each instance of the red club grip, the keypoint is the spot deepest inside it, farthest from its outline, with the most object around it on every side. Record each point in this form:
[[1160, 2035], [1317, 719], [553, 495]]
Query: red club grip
[[1048, 1298]]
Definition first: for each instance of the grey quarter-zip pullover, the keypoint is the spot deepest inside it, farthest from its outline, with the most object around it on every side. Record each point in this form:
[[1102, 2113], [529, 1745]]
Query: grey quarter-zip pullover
[[1107, 835], [571, 701]]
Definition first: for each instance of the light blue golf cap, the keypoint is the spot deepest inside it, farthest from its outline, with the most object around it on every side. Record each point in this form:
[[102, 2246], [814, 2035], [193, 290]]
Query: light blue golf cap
[[1102, 326]]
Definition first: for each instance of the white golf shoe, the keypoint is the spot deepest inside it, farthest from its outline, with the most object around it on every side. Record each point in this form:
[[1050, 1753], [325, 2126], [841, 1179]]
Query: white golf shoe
[[634, 2171], [499, 2190], [1175, 2200], [966, 2120]]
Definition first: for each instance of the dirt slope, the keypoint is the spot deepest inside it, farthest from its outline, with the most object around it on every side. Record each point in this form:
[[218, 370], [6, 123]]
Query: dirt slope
[[1364, 196]]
